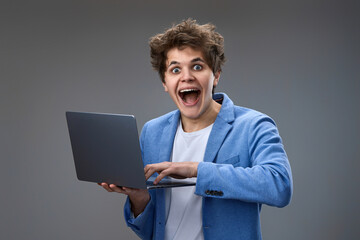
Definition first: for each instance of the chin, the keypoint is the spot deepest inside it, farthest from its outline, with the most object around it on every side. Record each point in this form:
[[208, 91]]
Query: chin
[[190, 114]]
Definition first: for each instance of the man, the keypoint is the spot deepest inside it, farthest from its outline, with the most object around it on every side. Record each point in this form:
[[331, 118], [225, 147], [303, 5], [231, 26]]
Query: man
[[235, 153]]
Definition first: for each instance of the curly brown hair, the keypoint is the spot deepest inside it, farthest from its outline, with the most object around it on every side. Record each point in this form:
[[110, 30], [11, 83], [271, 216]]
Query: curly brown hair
[[188, 33]]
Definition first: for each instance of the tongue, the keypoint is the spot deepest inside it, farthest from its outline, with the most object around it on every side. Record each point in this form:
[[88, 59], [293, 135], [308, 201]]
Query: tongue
[[190, 97]]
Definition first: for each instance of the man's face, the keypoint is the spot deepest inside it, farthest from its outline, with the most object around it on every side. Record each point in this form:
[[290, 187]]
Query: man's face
[[189, 81]]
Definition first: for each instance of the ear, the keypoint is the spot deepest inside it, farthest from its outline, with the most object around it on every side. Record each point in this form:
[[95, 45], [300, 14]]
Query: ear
[[216, 78], [165, 87]]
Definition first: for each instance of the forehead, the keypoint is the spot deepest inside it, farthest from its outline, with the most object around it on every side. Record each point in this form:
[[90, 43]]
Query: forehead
[[185, 54]]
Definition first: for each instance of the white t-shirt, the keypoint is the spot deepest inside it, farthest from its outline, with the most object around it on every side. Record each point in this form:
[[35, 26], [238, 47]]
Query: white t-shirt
[[183, 207]]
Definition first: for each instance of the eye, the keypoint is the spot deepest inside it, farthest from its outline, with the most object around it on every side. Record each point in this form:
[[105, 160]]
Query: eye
[[175, 70], [197, 67]]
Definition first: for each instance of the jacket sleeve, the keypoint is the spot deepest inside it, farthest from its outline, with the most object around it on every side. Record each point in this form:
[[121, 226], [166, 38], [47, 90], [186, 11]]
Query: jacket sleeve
[[266, 180], [142, 225]]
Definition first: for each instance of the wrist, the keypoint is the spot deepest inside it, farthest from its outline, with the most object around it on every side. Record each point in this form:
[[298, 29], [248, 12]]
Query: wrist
[[139, 203]]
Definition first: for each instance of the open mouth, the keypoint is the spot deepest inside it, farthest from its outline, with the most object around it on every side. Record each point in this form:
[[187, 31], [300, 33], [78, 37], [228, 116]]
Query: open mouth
[[189, 96]]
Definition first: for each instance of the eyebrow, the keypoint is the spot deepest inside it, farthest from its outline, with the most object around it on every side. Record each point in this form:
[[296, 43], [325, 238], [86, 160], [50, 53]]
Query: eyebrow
[[197, 60], [192, 61], [173, 63]]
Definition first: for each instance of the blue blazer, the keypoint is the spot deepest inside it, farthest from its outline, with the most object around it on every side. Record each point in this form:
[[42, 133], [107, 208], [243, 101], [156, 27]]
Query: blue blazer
[[245, 165]]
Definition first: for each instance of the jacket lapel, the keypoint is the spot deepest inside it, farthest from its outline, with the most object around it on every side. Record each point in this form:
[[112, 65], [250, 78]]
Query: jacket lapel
[[216, 138], [222, 125], [167, 137]]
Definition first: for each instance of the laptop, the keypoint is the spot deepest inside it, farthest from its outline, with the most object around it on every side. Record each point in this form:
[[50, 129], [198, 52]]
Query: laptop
[[106, 148]]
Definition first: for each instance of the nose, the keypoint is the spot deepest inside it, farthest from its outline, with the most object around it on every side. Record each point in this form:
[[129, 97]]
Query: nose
[[186, 75]]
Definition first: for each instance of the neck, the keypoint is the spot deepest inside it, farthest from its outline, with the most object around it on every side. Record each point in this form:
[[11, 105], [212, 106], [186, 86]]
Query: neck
[[205, 120]]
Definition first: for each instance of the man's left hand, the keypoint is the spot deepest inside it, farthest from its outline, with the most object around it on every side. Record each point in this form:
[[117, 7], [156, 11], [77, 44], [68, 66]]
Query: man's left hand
[[172, 169]]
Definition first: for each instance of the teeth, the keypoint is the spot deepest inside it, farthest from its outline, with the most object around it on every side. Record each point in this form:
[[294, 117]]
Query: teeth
[[187, 90]]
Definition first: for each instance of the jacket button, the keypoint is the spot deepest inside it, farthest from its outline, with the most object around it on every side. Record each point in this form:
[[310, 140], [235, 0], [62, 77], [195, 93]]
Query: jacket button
[[207, 192], [221, 193]]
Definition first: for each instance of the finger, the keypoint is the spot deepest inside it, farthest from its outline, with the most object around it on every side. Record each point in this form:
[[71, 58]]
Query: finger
[[153, 168], [150, 169], [117, 189], [157, 166], [174, 171], [106, 187], [163, 174], [149, 172]]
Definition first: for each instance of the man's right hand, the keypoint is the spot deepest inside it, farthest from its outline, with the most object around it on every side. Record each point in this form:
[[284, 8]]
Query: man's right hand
[[139, 198]]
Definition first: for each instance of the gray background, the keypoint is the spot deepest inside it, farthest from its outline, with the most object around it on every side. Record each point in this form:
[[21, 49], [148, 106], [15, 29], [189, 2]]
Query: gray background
[[297, 61]]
